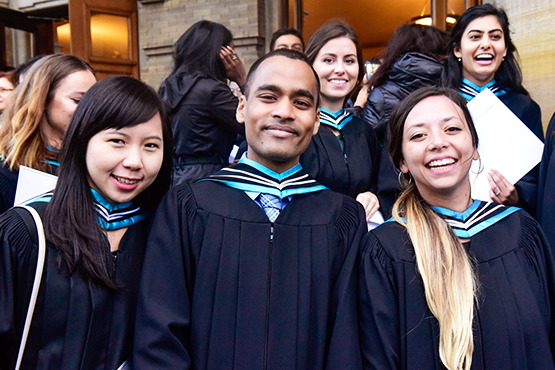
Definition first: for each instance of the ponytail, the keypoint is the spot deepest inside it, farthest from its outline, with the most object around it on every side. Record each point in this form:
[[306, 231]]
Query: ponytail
[[446, 271]]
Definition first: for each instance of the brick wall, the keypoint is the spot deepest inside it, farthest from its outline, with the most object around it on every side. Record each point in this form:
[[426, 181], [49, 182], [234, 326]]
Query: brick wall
[[161, 23]]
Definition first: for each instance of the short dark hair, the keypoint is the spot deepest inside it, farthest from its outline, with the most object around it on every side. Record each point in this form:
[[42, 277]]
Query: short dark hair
[[508, 74], [291, 54], [198, 49], [70, 219], [401, 112], [329, 32], [282, 32]]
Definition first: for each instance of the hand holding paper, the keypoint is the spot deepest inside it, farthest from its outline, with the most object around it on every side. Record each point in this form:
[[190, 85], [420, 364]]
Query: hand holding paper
[[506, 145]]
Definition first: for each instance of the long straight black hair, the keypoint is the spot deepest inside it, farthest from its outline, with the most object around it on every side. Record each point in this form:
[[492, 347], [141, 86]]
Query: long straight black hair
[[508, 74], [70, 219], [198, 49]]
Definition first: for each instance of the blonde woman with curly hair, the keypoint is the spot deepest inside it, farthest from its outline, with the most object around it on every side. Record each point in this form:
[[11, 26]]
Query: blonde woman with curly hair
[[451, 282], [33, 126]]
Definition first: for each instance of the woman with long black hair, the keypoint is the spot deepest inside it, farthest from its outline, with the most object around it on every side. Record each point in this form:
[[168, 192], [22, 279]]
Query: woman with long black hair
[[115, 165], [483, 56], [200, 104]]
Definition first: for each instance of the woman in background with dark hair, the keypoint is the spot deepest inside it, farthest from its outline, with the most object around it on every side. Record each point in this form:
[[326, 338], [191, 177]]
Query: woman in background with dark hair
[[413, 59], [201, 106], [482, 56], [344, 154], [115, 165], [451, 282]]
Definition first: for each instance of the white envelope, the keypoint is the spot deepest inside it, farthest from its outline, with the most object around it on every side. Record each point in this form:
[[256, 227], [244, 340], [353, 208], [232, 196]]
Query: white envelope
[[506, 144]]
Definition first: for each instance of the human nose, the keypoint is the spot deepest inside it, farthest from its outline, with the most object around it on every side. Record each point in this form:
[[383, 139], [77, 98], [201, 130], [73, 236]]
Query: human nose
[[485, 43], [437, 141], [133, 159], [284, 110], [339, 68]]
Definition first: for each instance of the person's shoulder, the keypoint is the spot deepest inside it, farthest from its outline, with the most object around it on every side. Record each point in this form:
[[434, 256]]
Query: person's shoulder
[[390, 239], [14, 230]]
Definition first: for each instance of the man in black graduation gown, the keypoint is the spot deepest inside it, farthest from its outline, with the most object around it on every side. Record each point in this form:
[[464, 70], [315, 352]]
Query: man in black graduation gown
[[254, 267]]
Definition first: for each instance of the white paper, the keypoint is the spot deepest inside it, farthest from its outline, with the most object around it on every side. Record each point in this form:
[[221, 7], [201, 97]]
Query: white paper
[[32, 183], [375, 220], [506, 144]]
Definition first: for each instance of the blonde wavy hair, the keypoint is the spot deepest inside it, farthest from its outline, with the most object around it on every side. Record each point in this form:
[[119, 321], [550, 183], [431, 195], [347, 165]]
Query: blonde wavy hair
[[446, 269], [21, 141]]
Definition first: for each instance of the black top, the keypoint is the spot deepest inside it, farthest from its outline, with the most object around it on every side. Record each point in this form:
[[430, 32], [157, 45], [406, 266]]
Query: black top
[[546, 187], [512, 324], [8, 185], [202, 112], [351, 172], [411, 72], [75, 325], [223, 288], [528, 111]]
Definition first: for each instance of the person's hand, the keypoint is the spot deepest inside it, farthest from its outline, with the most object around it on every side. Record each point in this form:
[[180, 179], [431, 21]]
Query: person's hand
[[362, 96], [502, 191], [234, 68], [370, 203]]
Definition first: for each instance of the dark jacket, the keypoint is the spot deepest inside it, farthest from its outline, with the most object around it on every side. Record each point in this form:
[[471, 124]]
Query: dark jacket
[[411, 72], [202, 113]]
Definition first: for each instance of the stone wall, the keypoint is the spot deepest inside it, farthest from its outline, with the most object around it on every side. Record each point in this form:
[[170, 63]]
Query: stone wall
[[161, 23], [533, 33]]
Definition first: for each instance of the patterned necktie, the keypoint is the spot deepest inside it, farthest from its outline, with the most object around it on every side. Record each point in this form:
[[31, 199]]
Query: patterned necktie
[[271, 205]]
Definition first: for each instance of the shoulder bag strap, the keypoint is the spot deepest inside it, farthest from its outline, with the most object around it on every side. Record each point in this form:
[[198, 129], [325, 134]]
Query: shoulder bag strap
[[36, 283]]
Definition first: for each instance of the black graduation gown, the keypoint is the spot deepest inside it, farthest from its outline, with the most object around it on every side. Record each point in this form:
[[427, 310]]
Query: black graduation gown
[[75, 325], [8, 185], [220, 291], [513, 322], [528, 111], [352, 172], [546, 187]]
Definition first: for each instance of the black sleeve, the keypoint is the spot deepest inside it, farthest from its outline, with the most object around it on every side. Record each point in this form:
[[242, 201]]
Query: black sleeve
[[223, 108], [344, 352], [378, 308], [163, 318], [18, 261]]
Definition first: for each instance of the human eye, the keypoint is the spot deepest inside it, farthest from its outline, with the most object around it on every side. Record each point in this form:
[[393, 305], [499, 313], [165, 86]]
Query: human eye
[[75, 100], [416, 136], [267, 97], [453, 129], [496, 36], [152, 146], [350, 61], [303, 104], [116, 141], [328, 60]]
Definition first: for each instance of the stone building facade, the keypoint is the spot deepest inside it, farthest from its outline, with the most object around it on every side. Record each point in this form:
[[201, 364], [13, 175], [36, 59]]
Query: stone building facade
[[161, 23]]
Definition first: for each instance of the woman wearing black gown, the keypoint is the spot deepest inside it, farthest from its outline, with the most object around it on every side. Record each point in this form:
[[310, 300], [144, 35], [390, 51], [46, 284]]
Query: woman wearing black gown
[[451, 282], [115, 165], [484, 57], [344, 154]]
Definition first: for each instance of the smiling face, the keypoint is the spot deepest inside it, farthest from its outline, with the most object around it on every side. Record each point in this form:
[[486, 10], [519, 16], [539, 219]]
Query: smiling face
[[482, 49], [122, 163], [337, 66], [437, 150], [290, 42], [59, 110], [280, 112]]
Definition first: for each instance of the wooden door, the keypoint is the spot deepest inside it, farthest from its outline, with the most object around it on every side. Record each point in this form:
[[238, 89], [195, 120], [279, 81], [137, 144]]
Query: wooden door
[[104, 33]]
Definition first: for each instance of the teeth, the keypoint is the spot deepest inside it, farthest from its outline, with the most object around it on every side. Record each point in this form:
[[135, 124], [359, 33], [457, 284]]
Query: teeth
[[484, 56], [337, 81], [126, 181], [442, 162]]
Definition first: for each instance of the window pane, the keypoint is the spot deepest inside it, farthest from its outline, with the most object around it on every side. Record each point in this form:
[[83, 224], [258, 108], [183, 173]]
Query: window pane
[[110, 36], [19, 46]]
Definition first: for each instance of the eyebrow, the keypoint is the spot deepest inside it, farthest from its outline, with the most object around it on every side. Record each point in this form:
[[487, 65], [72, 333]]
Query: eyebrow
[[491, 31], [276, 89], [446, 119], [118, 132]]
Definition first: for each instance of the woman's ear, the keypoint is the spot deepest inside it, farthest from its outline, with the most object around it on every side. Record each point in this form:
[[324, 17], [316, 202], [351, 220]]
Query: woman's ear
[[457, 52]]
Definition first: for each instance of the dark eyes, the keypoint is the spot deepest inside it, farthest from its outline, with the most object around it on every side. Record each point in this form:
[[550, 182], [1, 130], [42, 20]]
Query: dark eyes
[[416, 136], [76, 101], [454, 129], [152, 146]]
